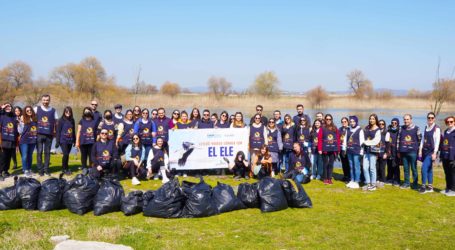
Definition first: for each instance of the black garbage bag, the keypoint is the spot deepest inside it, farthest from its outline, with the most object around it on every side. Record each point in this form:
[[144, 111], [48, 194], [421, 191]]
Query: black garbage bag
[[248, 194], [51, 194], [132, 203], [9, 199], [146, 198], [79, 194], [167, 202], [108, 198], [199, 202], [296, 195], [28, 190], [225, 200], [271, 195]]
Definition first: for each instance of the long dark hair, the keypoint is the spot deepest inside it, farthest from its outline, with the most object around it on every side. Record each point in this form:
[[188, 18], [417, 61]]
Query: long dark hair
[[376, 120], [70, 118], [313, 130], [332, 126], [192, 117], [139, 143], [26, 117], [240, 153], [90, 114]]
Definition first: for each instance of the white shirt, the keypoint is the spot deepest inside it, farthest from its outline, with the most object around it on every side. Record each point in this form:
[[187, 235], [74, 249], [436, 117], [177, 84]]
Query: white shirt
[[361, 138], [150, 158], [436, 138]]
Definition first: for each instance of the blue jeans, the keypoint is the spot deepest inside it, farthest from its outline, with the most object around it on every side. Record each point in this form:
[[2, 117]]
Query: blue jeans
[[410, 161], [369, 168], [317, 164], [286, 154], [427, 170], [354, 164], [27, 155], [299, 178]]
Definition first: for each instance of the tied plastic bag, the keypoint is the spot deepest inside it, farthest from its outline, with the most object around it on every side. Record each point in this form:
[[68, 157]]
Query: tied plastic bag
[[28, 190], [167, 202], [296, 195], [225, 200], [147, 197], [79, 194], [271, 195], [51, 193], [108, 198], [9, 199], [132, 203], [248, 194], [199, 202]]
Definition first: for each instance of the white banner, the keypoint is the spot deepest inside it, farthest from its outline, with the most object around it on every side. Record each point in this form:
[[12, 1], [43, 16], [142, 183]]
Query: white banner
[[205, 148]]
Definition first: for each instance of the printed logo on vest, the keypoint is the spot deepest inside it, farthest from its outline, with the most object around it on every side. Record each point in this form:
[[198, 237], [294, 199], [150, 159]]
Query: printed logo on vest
[[160, 128], [408, 138], [256, 134], [44, 119]]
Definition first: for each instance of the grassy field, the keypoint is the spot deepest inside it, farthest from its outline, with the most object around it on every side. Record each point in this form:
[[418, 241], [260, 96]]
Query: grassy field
[[388, 218]]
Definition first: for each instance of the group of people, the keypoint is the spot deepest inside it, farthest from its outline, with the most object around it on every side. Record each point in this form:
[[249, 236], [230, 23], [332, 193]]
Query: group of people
[[135, 143]]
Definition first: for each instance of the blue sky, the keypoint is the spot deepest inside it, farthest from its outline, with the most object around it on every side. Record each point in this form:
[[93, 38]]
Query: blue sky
[[395, 43]]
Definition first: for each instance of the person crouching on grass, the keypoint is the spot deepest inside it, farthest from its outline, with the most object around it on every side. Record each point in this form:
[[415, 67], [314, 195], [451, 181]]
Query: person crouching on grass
[[158, 161], [298, 163], [262, 163], [104, 154], [239, 167], [135, 155]]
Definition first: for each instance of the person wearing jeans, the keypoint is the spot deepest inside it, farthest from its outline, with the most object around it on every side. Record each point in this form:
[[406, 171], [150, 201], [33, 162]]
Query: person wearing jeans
[[428, 151], [352, 141], [371, 145], [448, 156], [288, 134], [316, 158], [408, 137], [28, 130]]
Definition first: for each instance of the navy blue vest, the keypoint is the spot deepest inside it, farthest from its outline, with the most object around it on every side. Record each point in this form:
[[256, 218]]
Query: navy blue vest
[[104, 152], [29, 134], [303, 135], [448, 146], [88, 131], [272, 138], [223, 125], [329, 140], [383, 143], [9, 128], [428, 141], [183, 125], [66, 135], [117, 121], [136, 152], [110, 130], [256, 137], [353, 142], [46, 121], [288, 135], [158, 158], [128, 132], [162, 127], [393, 141], [314, 141], [408, 140], [342, 130], [145, 132], [297, 161], [369, 135], [205, 124]]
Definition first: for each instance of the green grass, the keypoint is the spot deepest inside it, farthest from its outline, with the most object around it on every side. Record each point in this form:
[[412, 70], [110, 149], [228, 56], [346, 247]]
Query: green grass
[[388, 218]]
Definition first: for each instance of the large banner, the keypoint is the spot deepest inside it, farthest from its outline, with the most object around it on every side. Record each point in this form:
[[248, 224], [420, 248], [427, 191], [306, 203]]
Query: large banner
[[205, 148]]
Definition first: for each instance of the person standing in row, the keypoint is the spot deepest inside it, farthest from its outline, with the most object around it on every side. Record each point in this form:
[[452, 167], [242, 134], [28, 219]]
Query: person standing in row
[[328, 147], [47, 123], [275, 144], [408, 145], [393, 162], [205, 122], [259, 110], [118, 116], [195, 117], [66, 137], [109, 124], [18, 114], [258, 136], [371, 148], [224, 120], [136, 113], [146, 129], [448, 156], [238, 121], [86, 137], [352, 143], [303, 131], [8, 139], [316, 158], [96, 114], [428, 151], [278, 120], [343, 156], [288, 134], [300, 114], [27, 129], [125, 132], [184, 122], [163, 125], [383, 154]]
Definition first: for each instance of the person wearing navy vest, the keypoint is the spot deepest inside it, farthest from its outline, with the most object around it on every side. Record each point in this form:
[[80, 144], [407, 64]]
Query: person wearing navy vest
[[328, 147], [109, 124], [238, 121], [163, 125], [302, 136], [371, 147], [96, 114], [300, 109], [393, 163], [47, 124], [299, 162], [316, 158], [408, 145], [288, 134], [343, 156], [66, 137], [184, 122], [104, 153], [447, 156], [8, 138], [28, 129], [352, 141], [258, 135], [86, 137], [135, 156], [428, 150], [278, 120], [158, 161], [195, 117], [146, 129], [224, 120], [259, 110], [275, 144], [125, 132], [118, 116], [205, 122], [383, 154]]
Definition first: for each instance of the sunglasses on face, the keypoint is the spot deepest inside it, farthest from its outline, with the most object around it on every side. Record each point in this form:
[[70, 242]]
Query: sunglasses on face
[[258, 109], [430, 117], [145, 113], [328, 119], [135, 138], [29, 110], [94, 104], [206, 114], [450, 122], [223, 115], [381, 124], [103, 133], [160, 113], [176, 114], [271, 121]]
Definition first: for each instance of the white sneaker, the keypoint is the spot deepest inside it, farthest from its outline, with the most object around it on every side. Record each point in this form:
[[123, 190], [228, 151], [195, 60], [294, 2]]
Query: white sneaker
[[318, 177], [273, 174], [311, 177], [164, 176], [184, 175], [135, 181], [450, 193], [355, 185], [349, 184]]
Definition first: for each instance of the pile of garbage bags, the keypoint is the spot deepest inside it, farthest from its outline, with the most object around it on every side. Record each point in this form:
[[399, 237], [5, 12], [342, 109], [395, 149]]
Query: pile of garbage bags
[[172, 200]]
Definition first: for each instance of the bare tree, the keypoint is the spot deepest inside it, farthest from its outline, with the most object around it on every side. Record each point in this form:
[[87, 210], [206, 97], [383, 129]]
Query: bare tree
[[443, 90], [64, 75], [171, 89], [266, 84], [18, 73], [219, 86], [359, 84], [317, 96], [8, 91]]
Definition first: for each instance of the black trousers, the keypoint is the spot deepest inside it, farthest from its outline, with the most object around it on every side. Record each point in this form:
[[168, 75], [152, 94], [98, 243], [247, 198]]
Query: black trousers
[[380, 169], [66, 150], [43, 145], [327, 162], [449, 170], [345, 166], [5, 159], [393, 170], [132, 170], [86, 153]]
